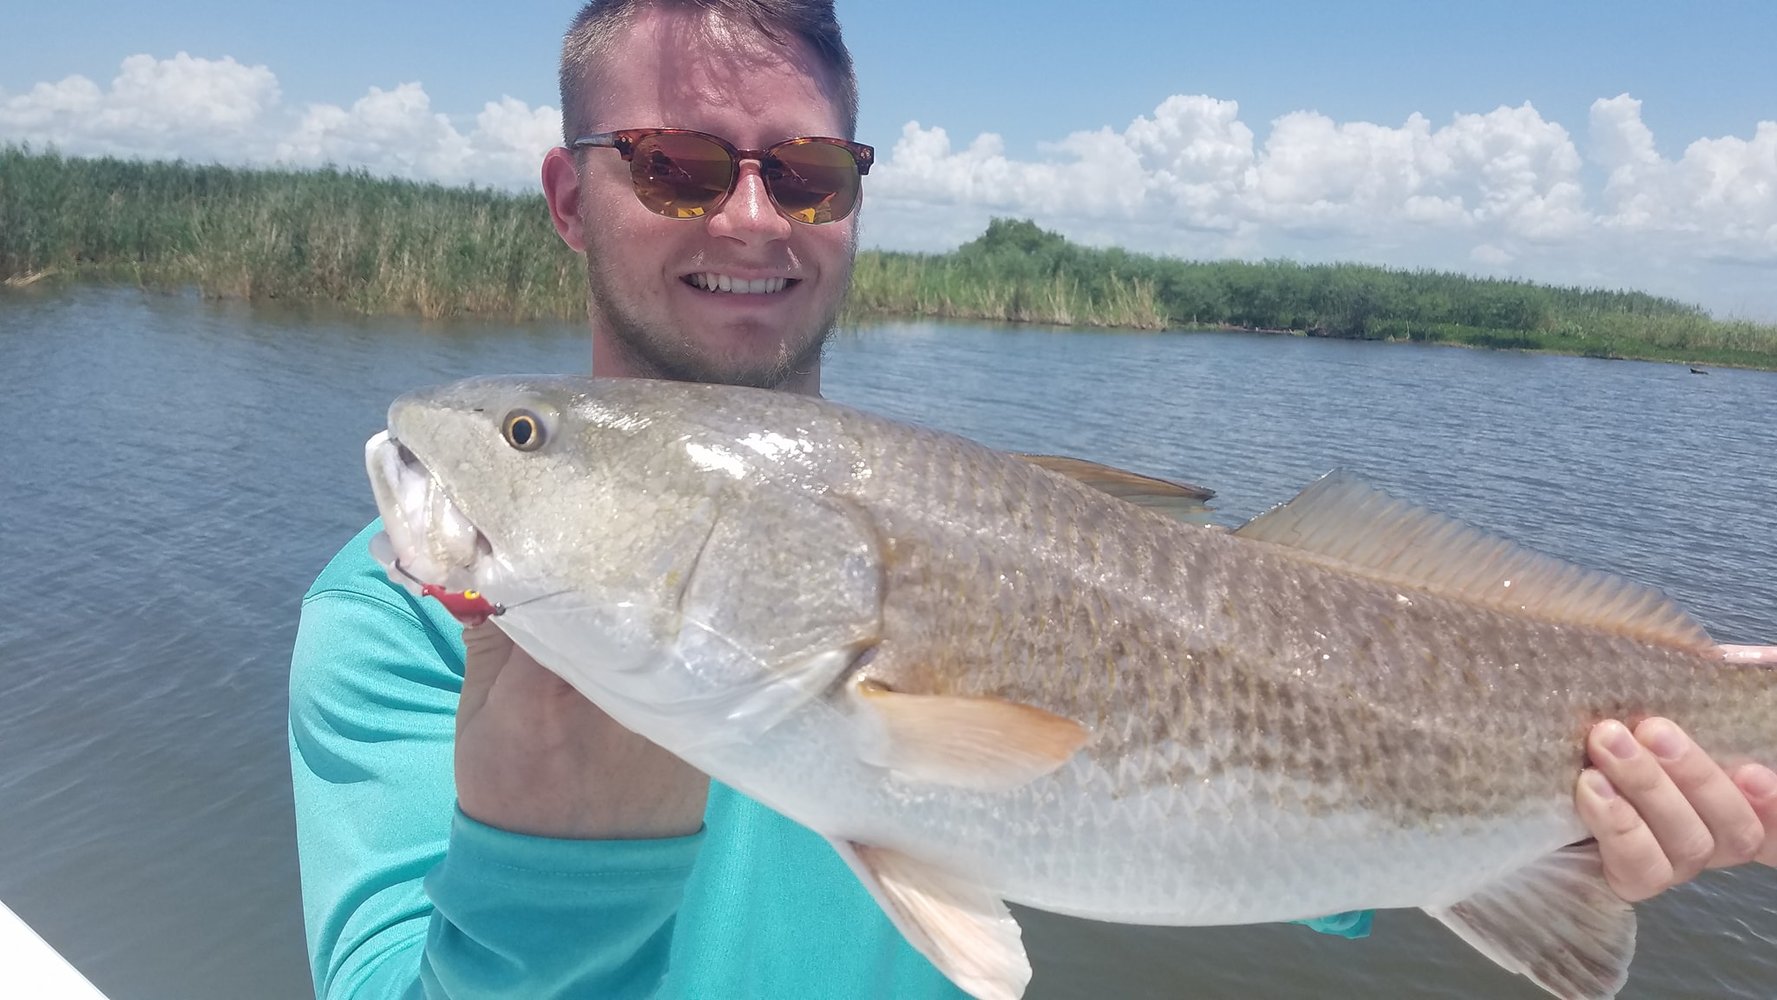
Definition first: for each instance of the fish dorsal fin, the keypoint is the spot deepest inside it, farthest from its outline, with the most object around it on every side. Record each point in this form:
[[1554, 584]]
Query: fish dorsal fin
[[1182, 501], [963, 928], [1346, 522], [1556, 921]]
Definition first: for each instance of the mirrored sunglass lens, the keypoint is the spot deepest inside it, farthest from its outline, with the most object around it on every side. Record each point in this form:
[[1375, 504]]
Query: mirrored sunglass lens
[[814, 182], [681, 176]]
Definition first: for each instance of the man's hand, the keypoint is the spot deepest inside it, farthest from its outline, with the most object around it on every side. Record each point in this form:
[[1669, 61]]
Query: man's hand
[[1663, 810], [533, 756]]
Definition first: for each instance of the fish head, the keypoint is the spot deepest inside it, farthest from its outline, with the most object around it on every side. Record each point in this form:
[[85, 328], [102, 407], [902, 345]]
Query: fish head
[[529, 491], [625, 548]]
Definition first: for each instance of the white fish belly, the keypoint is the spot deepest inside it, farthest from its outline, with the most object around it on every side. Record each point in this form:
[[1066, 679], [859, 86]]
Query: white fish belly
[[1216, 851]]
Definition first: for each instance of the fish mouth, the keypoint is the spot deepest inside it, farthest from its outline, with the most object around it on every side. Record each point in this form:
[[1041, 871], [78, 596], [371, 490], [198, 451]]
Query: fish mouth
[[425, 539]]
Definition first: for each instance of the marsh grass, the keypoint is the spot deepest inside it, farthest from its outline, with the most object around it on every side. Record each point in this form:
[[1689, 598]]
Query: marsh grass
[[377, 245], [1016, 271], [367, 244]]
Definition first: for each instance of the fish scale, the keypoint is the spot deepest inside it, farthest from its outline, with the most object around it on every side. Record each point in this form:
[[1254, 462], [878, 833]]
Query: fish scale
[[983, 680]]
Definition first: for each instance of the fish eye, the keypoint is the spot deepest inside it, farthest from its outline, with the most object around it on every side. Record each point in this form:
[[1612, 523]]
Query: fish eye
[[523, 430]]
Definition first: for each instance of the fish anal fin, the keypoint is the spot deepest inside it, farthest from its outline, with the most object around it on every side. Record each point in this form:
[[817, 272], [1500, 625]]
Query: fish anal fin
[[1556, 921], [985, 744], [962, 928], [1345, 522], [1181, 501]]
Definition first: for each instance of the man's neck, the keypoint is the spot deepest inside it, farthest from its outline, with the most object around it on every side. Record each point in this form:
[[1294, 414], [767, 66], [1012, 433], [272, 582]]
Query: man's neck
[[610, 360]]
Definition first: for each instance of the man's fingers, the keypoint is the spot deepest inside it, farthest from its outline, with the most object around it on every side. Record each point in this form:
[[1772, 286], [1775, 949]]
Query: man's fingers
[[1634, 865], [1711, 797], [486, 651], [1759, 783], [1748, 654], [1650, 779], [1683, 842], [1663, 810]]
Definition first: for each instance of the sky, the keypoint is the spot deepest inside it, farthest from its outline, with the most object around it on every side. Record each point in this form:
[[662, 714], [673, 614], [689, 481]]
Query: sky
[[1606, 144]]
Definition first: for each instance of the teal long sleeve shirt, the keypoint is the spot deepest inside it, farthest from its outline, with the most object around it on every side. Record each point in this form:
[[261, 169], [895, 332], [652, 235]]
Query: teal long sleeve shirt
[[404, 896]]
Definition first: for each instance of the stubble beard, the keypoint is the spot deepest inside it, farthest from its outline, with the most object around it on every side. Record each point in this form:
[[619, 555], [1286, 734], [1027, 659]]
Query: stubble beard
[[671, 354]]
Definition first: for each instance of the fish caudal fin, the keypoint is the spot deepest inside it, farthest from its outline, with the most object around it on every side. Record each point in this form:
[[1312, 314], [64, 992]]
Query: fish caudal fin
[[965, 930], [1556, 921], [986, 744]]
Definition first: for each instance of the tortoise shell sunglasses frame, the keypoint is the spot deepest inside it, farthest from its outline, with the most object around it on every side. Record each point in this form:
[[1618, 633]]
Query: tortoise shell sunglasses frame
[[685, 174]]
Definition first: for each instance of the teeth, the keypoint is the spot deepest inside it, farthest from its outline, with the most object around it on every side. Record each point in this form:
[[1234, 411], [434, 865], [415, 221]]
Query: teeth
[[710, 281]]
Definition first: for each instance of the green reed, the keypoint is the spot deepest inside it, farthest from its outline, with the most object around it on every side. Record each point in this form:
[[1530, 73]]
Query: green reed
[[378, 245], [1016, 271], [368, 244]]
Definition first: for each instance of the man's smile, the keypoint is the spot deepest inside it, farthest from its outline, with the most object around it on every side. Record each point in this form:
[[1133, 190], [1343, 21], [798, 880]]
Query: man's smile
[[713, 281]]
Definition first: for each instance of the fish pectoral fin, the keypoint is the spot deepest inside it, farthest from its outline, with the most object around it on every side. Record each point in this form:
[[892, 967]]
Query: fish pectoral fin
[[985, 744], [962, 928], [1181, 501], [1556, 921]]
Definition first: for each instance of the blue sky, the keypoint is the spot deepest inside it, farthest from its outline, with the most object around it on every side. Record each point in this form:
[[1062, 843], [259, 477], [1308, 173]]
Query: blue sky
[[1290, 131]]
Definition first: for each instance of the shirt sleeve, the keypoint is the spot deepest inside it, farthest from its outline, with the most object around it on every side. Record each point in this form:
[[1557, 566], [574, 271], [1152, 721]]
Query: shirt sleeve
[[535, 917], [404, 897], [372, 720], [1352, 925]]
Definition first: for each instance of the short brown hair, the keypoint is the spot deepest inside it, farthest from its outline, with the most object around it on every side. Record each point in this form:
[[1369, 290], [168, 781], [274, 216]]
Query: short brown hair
[[592, 38]]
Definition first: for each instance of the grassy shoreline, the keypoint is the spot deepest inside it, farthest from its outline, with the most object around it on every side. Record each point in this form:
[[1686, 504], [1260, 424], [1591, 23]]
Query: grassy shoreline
[[388, 246]]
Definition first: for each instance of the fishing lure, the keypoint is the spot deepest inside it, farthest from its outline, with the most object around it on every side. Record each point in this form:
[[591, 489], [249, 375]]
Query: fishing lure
[[466, 606]]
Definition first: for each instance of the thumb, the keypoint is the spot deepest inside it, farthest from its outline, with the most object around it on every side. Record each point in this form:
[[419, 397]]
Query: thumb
[[486, 651]]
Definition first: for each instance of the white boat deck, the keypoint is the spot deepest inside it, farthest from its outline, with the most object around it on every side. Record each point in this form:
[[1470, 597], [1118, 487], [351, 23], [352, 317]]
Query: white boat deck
[[29, 967]]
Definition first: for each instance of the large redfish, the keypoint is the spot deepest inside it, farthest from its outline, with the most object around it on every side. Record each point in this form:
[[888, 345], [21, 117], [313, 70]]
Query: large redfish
[[982, 680]]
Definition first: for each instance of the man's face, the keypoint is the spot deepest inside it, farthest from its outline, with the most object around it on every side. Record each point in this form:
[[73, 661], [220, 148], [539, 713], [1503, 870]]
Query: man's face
[[655, 282]]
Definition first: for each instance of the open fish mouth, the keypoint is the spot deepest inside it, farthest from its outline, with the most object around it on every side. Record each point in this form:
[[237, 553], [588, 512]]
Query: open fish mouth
[[425, 540]]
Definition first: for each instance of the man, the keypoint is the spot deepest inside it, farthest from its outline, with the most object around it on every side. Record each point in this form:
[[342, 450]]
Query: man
[[582, 860]]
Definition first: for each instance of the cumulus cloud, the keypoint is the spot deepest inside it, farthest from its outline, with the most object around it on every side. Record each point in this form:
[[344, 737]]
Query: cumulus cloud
[[220, 110], [1196, 163], [1504, 191], [154, 107], [394, 130], [1719, 198]]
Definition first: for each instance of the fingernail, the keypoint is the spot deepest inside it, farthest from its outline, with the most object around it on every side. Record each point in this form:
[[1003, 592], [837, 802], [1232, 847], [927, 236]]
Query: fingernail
[[1619, 741], [1759, 782], [1662, 738], [1599, 784]]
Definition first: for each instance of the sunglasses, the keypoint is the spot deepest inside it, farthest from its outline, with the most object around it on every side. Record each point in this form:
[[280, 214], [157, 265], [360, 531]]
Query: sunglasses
[[683, 174]]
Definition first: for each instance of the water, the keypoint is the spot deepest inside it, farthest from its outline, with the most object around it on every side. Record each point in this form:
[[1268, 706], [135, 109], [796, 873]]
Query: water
[[174, 472]]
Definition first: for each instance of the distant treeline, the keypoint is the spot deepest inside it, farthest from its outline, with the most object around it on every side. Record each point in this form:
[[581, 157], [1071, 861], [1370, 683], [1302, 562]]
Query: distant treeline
[[378, 245]]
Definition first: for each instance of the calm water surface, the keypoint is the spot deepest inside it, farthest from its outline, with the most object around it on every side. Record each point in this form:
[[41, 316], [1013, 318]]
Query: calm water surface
[[174, 472]]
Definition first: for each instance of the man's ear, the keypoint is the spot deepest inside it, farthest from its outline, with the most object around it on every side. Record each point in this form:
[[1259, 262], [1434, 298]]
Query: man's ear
[[561, 189]]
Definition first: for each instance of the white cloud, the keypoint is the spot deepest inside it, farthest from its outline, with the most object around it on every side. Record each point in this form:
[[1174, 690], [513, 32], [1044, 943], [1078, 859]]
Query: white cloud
[[1195, 162], [220, 110], [510, 138], [1718, 200], [186, 106], [1502, 191], [391, 131]]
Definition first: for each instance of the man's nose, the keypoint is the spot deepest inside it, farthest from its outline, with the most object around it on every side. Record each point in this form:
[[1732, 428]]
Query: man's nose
[[748, 215]]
